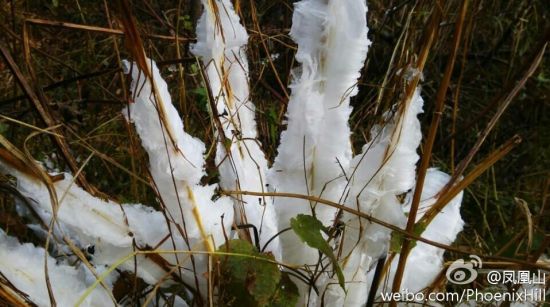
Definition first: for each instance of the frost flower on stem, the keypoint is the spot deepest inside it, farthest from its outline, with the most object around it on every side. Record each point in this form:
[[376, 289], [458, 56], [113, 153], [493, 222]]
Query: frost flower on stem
[[221, 41], [314, 158]]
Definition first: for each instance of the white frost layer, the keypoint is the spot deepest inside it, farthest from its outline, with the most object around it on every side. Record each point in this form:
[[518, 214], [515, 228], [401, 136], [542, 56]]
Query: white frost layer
[[23, 266], [221, 42], [176, 168], [315, 148], [87, 220], [385, 168], [177, 165], [425, 261]]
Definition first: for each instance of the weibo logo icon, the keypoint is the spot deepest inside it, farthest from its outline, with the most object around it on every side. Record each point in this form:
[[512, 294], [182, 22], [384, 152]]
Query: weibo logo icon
[[461, 272]]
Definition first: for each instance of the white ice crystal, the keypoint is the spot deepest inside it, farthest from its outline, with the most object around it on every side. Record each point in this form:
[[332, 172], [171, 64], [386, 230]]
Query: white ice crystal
[[23, 266], [176, 161], [425, 261], [314, 158], [315, 147], [177, 165], [89, 221], [221, 41], [383, 170]]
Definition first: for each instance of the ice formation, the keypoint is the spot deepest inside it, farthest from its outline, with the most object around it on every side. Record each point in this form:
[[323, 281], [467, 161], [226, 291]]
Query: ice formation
[[89, 221], [221, 41], [314, 158], [23, 266], [176, 163], [315, 147], [425, 261], [382, 171]]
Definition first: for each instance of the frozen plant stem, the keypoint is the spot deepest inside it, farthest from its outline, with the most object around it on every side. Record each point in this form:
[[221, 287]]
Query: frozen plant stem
[[177, 165], [314, 159], [315, 148], [221, 41]]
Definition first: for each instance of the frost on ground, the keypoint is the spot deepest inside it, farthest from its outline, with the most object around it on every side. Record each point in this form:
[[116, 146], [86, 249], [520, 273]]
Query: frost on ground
[[314, 159]]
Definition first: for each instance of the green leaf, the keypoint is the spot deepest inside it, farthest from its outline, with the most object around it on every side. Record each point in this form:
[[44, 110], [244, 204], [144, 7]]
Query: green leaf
[[227, 144], [271, 115], [247, 279], [202, 97], [3, 128], [309, 231], [194, 68], [396, 242], [419, 228], [187, 23], [287, 293]]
